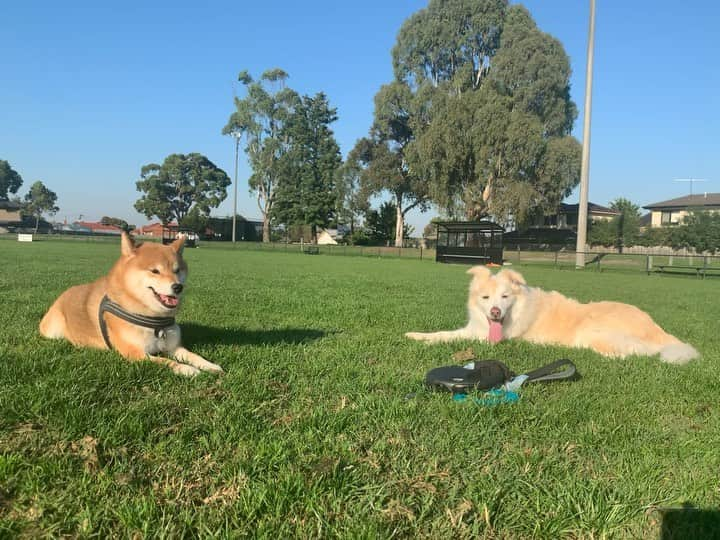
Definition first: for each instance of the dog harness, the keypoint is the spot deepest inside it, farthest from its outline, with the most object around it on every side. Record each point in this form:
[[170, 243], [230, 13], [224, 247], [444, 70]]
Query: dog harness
[[159, 324]]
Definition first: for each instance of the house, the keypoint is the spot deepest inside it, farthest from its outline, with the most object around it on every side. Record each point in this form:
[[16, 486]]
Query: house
[[326, 237], [9, 214], [567, 216], [71, 228], [154, 229], [95, 227], [672, 212]]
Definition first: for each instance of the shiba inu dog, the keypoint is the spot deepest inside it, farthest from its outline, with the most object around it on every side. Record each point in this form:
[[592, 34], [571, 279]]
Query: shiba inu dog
[[502, 306], [132, 309]]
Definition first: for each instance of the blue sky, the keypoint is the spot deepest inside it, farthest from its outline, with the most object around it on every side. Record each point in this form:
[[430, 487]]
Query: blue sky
[[90, 92]]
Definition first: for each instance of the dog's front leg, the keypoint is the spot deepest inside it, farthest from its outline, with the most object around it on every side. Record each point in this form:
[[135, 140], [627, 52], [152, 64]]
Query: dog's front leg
[[442, 337], [135, 353], [182, 354]]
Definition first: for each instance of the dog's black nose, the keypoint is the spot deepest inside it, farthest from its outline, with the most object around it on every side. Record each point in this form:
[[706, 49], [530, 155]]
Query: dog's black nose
[[177, 288]]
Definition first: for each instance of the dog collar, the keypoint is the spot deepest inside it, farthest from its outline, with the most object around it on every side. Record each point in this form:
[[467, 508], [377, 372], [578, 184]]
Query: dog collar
[[159, 324]]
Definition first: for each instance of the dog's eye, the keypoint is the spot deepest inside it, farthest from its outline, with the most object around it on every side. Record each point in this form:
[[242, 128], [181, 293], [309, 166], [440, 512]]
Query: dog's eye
[[485, 297], [505, 295], [155, 271]]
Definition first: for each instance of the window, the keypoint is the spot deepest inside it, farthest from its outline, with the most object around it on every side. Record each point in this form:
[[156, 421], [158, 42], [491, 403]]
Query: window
[[666, 218]]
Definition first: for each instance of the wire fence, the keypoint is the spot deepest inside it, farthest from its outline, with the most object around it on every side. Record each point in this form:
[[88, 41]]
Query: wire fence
[[424, 254], [699, 265], [691, 264]]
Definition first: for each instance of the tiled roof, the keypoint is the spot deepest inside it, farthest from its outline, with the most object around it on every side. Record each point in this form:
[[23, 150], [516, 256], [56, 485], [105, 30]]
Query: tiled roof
[[592, 208], [688, 201]]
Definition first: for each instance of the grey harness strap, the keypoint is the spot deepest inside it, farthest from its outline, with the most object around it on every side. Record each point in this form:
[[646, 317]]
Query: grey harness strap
[[159, 324]]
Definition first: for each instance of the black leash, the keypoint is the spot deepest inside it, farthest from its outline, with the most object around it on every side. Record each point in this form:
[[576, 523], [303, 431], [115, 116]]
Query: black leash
[[487, 374], [552, 372], [159, 324]]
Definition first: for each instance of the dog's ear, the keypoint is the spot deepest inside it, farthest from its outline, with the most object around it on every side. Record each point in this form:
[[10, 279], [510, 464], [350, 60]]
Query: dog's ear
[[480, 272], [179, 243], [127, 244], [515, 278]]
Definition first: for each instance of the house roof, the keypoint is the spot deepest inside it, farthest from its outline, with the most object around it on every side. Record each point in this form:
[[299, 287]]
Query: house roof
[[462, 226], [98, 227], [688, 201], [9, 205], [592, 209]]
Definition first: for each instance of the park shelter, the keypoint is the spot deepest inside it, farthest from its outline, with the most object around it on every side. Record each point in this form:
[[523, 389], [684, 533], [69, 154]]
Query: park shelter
[[469, 242]]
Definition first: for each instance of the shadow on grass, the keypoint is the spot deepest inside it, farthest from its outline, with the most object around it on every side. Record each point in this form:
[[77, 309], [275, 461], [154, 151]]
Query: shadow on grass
[[194, 334], [689, 522]]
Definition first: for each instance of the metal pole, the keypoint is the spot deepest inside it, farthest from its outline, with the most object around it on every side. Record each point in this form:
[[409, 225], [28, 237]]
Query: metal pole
[[237, 148], [585, 170]]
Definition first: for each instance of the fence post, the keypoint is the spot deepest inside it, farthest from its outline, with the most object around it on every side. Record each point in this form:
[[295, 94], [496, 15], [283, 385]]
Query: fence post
[[421, 253], [518, 253], [556, 258]]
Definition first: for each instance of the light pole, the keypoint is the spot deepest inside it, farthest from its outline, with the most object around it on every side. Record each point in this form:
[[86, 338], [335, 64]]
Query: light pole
[[236, 135], [585, 169]]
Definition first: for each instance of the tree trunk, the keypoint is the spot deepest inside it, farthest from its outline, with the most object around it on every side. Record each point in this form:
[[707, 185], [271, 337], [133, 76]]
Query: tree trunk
[[266, 228], [37, 223], [399, 226], [313, 234]]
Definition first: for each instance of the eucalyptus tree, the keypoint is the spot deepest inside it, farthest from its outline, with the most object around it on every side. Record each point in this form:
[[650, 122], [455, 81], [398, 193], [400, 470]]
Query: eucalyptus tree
[[494, 115], [182, 184], [10, 179], [382, 155], [351, 201], [259, 119], [40, 199]]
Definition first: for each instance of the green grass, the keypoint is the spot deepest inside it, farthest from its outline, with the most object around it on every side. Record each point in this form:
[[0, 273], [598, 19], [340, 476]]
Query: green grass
[[310, 434]]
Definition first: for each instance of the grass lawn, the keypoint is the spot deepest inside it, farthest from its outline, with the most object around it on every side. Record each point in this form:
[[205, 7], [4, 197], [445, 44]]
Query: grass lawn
[[310, 433]]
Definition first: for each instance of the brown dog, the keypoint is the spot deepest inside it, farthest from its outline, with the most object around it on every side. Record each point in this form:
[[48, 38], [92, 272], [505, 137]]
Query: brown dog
[[502, 306], [131, 310]]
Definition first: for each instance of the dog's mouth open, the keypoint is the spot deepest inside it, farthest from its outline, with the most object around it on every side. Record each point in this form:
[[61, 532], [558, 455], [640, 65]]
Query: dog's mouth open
[[495, 330], [167, 301]]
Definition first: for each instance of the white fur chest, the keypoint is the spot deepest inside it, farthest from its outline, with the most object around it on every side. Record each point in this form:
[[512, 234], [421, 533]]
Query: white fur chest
[[165, 340]]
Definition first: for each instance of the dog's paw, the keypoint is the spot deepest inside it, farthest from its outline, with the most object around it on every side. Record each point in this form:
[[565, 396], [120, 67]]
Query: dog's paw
[[184, 369], [213, 368]]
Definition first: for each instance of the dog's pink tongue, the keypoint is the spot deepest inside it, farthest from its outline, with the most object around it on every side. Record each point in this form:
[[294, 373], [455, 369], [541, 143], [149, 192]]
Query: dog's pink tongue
[[169, 300], [495, 333]]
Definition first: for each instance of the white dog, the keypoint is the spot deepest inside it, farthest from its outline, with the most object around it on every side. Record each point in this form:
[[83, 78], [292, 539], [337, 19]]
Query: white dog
[[502, 306]]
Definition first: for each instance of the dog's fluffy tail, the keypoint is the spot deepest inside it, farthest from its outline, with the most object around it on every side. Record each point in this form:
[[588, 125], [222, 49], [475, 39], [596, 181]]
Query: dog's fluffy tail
[[678, 353]]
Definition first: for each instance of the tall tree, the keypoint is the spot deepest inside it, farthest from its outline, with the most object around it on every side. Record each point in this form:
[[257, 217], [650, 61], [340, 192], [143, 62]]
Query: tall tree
[[380, 224], [10, 180], [40, 200], [306, 194], [182, 183], [492, 133], [195, 220], [351, 199], [259, 118], [621, 231], [383, 154], [449, 38], [627, 225]]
